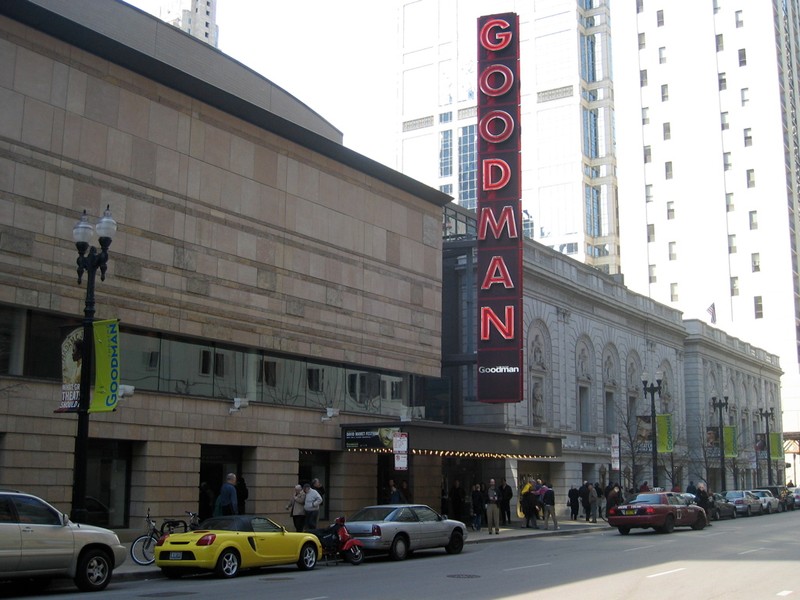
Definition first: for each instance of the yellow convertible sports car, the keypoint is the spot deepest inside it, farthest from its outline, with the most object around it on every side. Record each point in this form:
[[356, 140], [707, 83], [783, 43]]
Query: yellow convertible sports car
[[227, 544]]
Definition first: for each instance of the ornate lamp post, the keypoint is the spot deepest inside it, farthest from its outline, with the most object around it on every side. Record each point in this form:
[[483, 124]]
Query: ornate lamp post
[[766, 415], [89, 261], [719, 405], [651, 390]]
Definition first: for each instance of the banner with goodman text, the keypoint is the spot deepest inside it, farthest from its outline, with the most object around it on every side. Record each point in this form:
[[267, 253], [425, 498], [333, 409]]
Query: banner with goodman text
[[107, 365]]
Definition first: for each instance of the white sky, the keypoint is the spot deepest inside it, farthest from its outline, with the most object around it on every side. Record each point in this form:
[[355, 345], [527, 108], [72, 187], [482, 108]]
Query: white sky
[[330, 55]]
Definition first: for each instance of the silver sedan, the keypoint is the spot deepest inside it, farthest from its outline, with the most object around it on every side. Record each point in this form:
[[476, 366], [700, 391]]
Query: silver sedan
[[402, 528]]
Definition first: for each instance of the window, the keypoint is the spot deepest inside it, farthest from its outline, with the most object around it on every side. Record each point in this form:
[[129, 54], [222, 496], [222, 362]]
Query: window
[[723, 118], [651, 233], [643, 77], [645, 115], [639, 6], [667, 131], [447, 188], [648, 192], [755, 262], [732, 244], [751, 178], [219, 364], [660, 18], [445, 117], [742, 57], [664, 92], [723, 81], [662, 55], [673, 250], [726, 161], [205, 362], [734, 286], [739, 20], [748, 137], [648, 155], [269, 373], [716, 6], [670, 210], [315, 379], [673, 292], [745, 92], [641, 41], [445, 153], [668, 170], [758, 307], [753, 219], [720, 43], [729, 202], [652, 271]]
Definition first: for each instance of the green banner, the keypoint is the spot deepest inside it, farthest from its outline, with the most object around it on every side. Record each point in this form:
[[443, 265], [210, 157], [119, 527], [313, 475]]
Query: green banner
[[664, 433], [106, 379], [729, 439], [776, 445]]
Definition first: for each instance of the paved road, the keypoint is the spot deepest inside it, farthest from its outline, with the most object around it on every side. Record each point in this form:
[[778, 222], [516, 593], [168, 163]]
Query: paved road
[[750, 559]]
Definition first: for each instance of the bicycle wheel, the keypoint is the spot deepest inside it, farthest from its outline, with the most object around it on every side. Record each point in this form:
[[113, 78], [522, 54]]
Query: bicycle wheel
[[143, 549]]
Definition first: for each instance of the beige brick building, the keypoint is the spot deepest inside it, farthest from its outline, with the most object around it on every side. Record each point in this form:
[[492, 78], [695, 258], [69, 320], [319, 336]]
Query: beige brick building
[[256, 257]]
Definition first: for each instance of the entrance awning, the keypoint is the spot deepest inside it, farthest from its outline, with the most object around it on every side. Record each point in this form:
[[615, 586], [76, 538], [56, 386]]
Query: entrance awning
[[449, 440]]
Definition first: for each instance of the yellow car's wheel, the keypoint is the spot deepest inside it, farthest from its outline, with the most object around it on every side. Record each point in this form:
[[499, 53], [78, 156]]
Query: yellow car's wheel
[[308, 557], [228, 563]]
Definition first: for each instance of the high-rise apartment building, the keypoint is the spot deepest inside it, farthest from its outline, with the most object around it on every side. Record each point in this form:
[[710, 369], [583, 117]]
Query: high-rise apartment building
[[568, 180], [708, 162]]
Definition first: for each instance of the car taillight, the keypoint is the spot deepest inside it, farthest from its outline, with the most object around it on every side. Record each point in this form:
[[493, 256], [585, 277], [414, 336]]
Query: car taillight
[[738, 501], [647, 510], [162, 539], [376, 530], [207, 539], [612, 511]]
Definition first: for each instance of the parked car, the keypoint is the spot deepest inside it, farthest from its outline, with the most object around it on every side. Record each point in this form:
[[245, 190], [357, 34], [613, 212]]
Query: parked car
[[228, 544], [784, 495], [769, 503], [663, 511], [402, 528], [722, 508], [796, 494], [39, 542], [746, 503]]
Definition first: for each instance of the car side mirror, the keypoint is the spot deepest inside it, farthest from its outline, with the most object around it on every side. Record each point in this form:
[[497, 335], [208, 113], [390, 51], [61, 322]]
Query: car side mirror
[[64, 519]]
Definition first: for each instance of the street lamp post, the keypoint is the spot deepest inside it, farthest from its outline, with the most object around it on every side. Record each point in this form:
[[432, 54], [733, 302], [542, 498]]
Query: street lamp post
[[719, 405], [652, 389], [89, 261], [766, 415]]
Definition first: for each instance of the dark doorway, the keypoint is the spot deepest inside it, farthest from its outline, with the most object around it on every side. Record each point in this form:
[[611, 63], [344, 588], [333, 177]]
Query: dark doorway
[[316, 465], [215, 463], [108, 490]]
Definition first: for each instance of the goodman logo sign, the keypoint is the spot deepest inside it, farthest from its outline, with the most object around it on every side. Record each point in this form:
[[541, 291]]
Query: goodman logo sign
[[503, 369], [499, 211]]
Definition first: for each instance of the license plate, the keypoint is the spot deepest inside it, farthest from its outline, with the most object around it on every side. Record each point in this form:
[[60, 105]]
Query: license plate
[[630, 511], [175, 555]]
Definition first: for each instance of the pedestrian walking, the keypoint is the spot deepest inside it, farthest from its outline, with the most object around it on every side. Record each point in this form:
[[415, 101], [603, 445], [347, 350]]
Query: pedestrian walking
[[506, 494], [574, 502], [477, 507], [549, 506], [592, 504], [312, 502]]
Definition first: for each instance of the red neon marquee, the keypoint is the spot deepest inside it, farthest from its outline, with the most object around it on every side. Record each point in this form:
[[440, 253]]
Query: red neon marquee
[[500, 343]]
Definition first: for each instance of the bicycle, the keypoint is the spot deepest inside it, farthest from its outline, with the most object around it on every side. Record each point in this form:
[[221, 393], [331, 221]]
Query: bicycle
[[143, 549]]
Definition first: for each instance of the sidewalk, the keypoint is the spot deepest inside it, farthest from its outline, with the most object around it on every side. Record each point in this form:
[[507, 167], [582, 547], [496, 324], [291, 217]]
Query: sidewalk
[[130, 570]]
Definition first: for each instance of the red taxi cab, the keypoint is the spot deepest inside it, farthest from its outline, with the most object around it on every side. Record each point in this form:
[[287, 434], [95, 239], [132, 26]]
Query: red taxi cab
[[663, 511]]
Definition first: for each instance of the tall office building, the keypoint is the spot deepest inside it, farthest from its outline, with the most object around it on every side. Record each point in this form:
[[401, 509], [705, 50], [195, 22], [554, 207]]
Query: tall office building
[[196, 17], [568, 180], [709, 169]]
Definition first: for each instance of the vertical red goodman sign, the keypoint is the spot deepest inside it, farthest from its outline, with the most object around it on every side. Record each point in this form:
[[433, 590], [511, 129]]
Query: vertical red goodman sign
[[499, 211]]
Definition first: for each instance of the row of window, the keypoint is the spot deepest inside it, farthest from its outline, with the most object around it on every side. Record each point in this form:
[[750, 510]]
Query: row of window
[[738, 15]]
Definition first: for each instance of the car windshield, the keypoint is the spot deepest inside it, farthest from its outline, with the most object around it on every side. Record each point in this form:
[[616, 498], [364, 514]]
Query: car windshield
[[759, 493], [647, 499], [373, 513], [230, 523], [734, 494]]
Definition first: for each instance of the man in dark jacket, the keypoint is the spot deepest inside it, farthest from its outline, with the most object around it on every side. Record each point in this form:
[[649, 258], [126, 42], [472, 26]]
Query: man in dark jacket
[[704, 501], [506, 493]]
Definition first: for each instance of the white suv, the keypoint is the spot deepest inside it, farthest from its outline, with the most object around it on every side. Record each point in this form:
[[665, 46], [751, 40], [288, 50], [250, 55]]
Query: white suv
[[769, 503], [38, 541]]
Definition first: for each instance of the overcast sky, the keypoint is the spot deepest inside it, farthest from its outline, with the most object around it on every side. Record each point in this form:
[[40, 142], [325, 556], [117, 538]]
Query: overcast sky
[[332, 56]]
